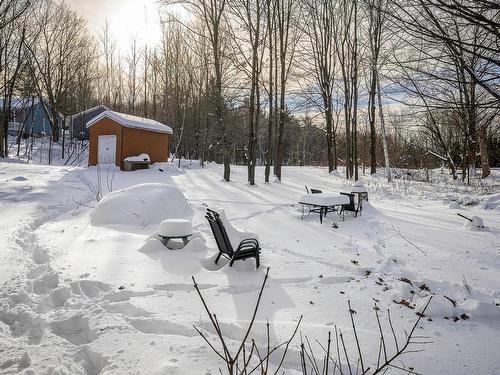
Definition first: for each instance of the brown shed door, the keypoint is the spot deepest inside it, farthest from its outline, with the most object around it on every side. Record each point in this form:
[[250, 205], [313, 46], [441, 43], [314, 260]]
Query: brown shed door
[[106, 149]]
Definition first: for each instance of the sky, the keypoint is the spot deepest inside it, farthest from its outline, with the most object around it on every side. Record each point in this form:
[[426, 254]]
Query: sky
[[126, 18]]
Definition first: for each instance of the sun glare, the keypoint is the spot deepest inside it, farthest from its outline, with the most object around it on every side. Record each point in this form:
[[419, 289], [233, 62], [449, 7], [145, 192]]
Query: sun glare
[[128, 19], [138, 19]]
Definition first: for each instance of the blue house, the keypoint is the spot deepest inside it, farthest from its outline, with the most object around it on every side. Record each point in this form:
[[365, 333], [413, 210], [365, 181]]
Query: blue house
[[30, 115]]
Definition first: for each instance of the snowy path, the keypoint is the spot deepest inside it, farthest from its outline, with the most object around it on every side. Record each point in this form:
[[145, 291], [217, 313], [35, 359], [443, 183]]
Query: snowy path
[[81, 299]]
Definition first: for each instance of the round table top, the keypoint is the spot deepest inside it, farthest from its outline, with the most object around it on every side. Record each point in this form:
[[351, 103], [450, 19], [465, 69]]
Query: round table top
[[175, 228], [175, 221]]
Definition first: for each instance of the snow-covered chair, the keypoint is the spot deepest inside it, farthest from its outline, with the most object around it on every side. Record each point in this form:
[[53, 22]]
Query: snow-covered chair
[[247, 247], [352, 207]]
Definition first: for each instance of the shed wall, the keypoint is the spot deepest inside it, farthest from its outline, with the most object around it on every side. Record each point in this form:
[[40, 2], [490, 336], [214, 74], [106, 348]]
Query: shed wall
[[137, 141]]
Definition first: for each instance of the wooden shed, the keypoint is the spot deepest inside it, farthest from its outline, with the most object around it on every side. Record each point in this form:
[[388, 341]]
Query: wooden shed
[[115, 136]]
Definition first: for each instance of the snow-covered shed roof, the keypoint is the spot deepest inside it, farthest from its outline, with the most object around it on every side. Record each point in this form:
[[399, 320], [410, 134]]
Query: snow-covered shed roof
[[100, 106], [130, 121]]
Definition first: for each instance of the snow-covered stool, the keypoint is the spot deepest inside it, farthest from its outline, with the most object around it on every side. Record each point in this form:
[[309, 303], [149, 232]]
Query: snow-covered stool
[[171, 229]]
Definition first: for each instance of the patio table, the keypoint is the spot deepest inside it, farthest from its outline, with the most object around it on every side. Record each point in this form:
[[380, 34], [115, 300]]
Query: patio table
[[323, 203]]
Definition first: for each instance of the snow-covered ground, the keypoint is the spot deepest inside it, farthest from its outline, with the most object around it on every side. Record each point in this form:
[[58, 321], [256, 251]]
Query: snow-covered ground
[[88, 291]]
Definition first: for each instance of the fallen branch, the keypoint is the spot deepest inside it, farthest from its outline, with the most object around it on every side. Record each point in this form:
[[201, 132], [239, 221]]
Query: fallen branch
[[398, 231]]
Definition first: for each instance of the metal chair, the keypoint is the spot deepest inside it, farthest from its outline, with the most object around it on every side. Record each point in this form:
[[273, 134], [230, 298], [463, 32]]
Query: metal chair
[[248, 248]]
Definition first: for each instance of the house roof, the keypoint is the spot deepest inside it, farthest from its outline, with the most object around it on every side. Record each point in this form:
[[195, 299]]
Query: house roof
[[90, 110], [130, 121], [20, 103]]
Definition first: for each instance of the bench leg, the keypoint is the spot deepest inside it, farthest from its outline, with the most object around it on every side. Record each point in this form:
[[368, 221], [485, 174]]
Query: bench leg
[[257, 260], [185, 241]]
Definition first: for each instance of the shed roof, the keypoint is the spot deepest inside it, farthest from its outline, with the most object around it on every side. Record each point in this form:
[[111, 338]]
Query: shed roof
[[100, 106], [130, 121]]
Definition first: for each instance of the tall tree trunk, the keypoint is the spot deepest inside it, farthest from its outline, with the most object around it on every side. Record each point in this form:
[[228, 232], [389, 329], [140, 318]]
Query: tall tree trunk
[[355, 93], [384, 133], [329, 134], [269, 152], [483, 149], [371, 113], [55, 125]]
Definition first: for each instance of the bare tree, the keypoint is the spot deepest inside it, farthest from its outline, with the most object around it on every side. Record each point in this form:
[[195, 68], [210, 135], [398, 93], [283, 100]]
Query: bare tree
[[346, 40], [435, 20], [377, 24], [439, 75], [12, 38], [287, 39], [319, 28], [108, 54], [250, 30], [56, 56], [133, 59], [211, 14]]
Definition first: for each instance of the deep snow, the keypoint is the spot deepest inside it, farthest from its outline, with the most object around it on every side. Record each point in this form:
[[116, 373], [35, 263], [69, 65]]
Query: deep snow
[[85, 292]]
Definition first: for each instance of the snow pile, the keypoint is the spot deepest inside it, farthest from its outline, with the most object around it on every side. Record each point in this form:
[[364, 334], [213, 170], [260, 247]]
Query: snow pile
[[141, 206], [493, 202], [476, 223], [141, 158]]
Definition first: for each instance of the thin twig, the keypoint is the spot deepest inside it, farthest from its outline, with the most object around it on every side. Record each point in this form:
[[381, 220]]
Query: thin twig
[[398, 231], [351, 313]]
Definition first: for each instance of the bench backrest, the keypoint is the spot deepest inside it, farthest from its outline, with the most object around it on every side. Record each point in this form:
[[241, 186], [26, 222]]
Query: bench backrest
[[313, 191], [219, 232]]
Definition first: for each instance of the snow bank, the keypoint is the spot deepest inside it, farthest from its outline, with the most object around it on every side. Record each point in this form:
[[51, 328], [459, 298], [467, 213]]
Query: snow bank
[[142, 205], [493, 202], [475, 224]]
